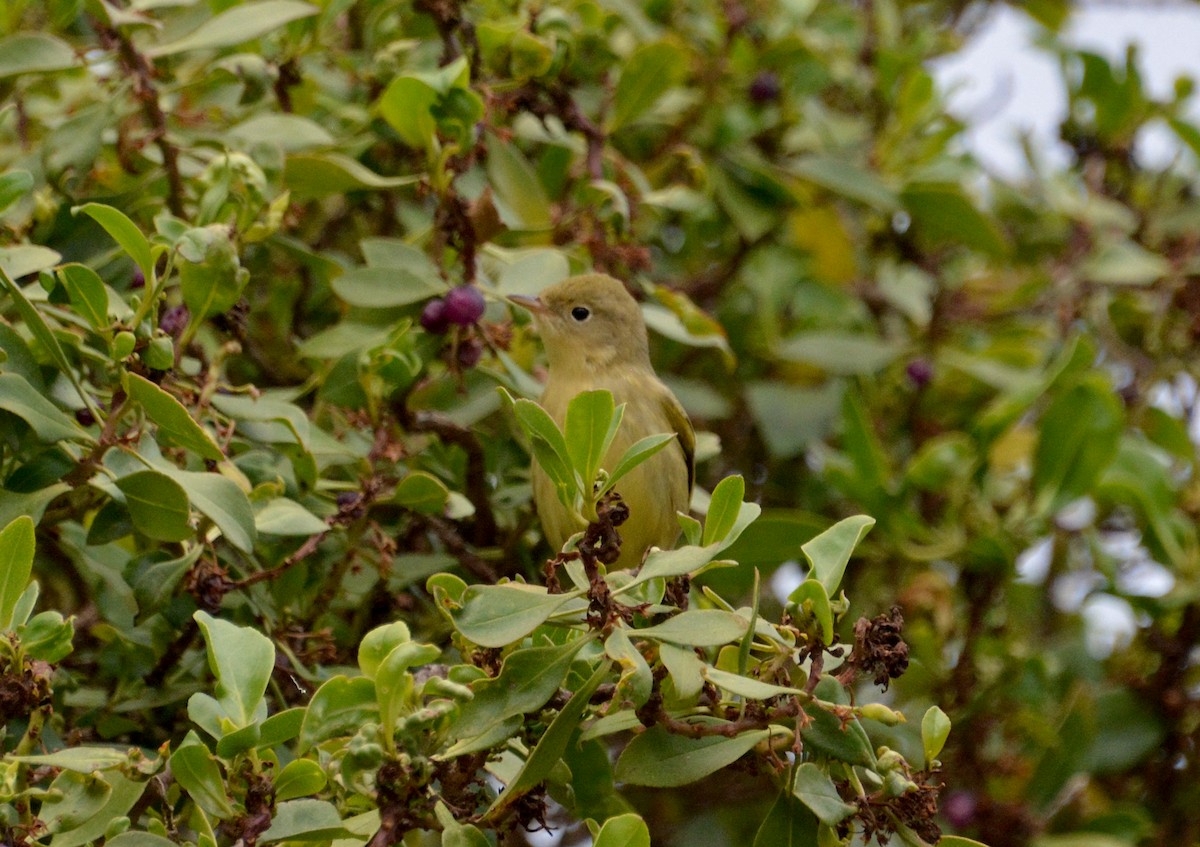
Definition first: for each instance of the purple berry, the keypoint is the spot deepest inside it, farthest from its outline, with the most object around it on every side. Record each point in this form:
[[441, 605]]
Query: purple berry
[[433, 317], [470, 351], [85, 417], [920, 372], [174, 320], [138, 280], [464, 305], [959, 808], [765, 88]]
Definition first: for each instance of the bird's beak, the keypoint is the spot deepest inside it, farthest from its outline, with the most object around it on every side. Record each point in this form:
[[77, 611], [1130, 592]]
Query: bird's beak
[[533, 304]]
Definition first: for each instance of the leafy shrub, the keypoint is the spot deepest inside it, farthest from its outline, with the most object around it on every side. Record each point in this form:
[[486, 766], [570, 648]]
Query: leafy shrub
[[233, 428]]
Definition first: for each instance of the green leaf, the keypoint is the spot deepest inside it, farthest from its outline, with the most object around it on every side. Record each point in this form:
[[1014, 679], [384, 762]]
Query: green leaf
[[646, 76], [242, 660], [943, 214], [664, 564], [935, 729], [685, 668], [125, 793], [137, 838], [48, 422], [84, 759], [628, 830], [378, 643], [220, 500], [406, 105], [211, 277], [13, 186], [87, 293], [340, 706], [791, 417], [723, 509], [394, 687], [281, 727], [789, 823], [423, 493], [847, 179], [526, 682], [35, 52], [242, 22], [252, 412], [47, 636], [384, 288], [828, 734], [285, 517], [157, 505], [637, 681], [175, 426], [638, 452], [499, 615], [518, 194], [1079, 437], [590, 425], [13, 504], [73, 799], [744, 686], [829, 552], [124, 232], [841, 353], [311, 175], [551, 746], [198, 773], [23, 259], [1124, 263], [660, 759], [37, 326], [813, 787], [697, 628], [291, 132], [455, 834], [299, 778], [537, 423], [305, 820], [810, 598]]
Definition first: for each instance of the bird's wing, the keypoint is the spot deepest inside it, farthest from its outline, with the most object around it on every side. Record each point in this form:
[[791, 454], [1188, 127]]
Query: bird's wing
[[683, 428]]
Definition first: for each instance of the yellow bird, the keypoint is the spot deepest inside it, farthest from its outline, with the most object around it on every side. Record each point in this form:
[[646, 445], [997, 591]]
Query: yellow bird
[[595, 338]]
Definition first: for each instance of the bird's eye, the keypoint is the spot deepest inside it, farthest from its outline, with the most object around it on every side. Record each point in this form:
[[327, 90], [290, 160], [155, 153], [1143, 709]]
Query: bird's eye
[[581, 313]]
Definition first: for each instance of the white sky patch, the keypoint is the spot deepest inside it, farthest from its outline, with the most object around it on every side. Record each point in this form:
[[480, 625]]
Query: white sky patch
[[1004, 86]]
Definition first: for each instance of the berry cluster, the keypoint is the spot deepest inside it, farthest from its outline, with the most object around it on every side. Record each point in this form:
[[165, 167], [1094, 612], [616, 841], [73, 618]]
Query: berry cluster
[[462, 307]]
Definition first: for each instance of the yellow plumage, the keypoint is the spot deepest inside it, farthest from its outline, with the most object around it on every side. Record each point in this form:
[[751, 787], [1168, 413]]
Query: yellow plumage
[[595, 338]]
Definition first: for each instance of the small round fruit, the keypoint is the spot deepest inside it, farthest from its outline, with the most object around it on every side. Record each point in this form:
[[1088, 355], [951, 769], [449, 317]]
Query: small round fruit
[[470, 351], [919, 372], [433, 317], [765, 88], [159, 354], [464, 305], [122, 344]]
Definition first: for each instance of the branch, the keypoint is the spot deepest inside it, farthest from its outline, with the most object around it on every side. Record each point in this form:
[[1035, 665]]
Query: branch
[[138, 68], [484, 530]]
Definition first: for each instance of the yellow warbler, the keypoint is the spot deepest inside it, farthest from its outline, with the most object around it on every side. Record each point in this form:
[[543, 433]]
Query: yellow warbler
[[595, 338]]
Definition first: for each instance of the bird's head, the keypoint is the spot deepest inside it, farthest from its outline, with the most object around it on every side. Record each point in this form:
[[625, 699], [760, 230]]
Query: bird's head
[[590, 322]]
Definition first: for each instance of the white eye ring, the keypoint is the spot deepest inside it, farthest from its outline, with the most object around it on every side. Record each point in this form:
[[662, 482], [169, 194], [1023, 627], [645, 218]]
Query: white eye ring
[[581, 313]]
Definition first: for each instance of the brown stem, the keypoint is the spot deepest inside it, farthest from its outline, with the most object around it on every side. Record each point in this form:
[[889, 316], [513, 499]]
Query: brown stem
[[303, 552], [138, 68], [484, 530], [448, 534]]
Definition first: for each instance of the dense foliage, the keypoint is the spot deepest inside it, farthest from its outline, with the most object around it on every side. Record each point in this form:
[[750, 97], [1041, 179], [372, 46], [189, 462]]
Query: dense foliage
[[268, 565]]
